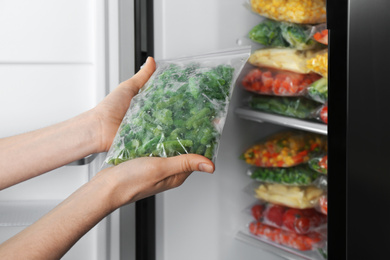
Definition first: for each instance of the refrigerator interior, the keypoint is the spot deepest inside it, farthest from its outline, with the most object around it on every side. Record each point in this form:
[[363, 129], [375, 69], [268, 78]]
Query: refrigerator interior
[[206, 216], [57, 60]]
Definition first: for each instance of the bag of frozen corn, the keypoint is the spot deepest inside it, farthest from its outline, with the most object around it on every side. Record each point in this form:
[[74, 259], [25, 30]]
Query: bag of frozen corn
[[319, 63], [294, 11]]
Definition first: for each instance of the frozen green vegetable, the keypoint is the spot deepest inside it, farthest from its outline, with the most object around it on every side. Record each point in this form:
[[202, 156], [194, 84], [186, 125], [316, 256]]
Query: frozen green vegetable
[[296, 175], [281, 34], [181, 109], [318, 90]]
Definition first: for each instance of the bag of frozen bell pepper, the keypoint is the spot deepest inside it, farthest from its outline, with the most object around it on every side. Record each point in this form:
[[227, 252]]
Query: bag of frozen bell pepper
[[294, 11], [181, 109], [319, 163], [297, 175], [299, 221], [281, 34], [274, 82], [285, 149], [321, 34], [299, 197]]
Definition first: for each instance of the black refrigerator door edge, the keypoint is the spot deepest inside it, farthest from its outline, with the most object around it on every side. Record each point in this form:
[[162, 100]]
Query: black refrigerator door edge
[[145, 209], [337, 23]]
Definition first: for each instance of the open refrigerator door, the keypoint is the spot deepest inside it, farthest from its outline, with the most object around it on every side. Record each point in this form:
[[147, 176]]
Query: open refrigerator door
[[268, 196]]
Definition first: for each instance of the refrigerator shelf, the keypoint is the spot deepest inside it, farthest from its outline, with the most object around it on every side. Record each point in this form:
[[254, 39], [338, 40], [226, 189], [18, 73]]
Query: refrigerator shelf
[[262, 117], [24, 213], [279, 250]]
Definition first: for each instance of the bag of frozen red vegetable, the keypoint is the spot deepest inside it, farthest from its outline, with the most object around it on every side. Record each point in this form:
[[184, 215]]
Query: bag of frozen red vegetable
[[319, 163], [305, 242], [267, 81], [300, 221], [322, 205], [285, 149], [297, 175], [294, 11], [321, 34], [281, 34], [181, 109], [300, 197], [297, 107], [288, 59]]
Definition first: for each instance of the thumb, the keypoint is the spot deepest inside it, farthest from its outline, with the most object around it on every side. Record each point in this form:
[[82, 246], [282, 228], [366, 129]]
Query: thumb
[[187, 163]]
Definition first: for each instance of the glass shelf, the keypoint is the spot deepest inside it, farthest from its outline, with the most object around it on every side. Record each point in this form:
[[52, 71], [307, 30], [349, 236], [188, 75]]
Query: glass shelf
[[262, 117], [279, 250]]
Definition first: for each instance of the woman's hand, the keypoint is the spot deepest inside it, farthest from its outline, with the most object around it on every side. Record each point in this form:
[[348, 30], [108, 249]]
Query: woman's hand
[[113, 108], [142, 177]]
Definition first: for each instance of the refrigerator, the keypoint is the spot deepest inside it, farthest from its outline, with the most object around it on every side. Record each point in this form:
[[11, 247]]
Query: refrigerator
[[105, 42]]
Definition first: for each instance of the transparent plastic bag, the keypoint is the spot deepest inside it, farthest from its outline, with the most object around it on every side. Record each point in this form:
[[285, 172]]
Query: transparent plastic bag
[[321, 34], [297, 107], [322, 205], [281, 34], [285, 149], [300, 175], [274, 82], [310, 241], [181, 109], [294, 11], [291, 59], [318, 90], [319, 163], [299, 221], [299, 197]]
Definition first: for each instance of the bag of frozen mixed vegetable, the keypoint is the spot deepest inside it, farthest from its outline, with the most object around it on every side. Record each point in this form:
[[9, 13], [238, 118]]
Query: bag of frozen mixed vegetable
[[287, 59], [321, 34], [181, 109], [299, 197], [297, 107], [281, 34], [294, 11], [300, 175], [299, 221], [285, 149], [274, 82], [310, 241], [319, 163]]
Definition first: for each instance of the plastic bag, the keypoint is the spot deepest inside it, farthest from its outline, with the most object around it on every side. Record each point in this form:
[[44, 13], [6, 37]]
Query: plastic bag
[[299, 221], [306, 242], [319, 163], [319, 63], [294, 11], [298, 107], [321, 34], [181, 109], [289, 59], [299, 197], [281, 34], [300, 175], [267, 81], [318, 90], [322, 205], [285, 149]]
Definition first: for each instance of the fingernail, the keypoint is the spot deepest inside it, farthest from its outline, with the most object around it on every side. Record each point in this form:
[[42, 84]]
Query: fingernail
[[204, 167]]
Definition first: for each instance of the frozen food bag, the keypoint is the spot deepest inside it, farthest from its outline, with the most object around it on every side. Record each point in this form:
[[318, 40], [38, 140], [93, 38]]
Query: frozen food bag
[[319, 163], [299, 197], [321, 34], [299, 221], [274, 82], [319, 63], [310, 241], [286, 59], [300, 175], [285, 149], [318, 90], [181, 109], [322, 205], [297, 107], [294, 11], [281, 34]]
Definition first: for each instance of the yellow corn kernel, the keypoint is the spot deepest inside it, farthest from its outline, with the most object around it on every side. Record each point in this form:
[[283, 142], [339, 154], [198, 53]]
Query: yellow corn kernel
[[319, 64], [295, 11]]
